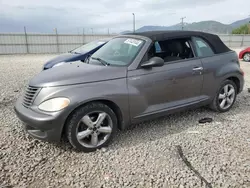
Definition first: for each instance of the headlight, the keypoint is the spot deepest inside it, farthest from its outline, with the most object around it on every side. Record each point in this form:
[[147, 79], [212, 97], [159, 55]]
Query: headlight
[[55, 104], [59, 64]]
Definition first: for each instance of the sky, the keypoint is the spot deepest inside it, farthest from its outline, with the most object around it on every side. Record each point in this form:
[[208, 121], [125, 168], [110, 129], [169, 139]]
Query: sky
[[77, 16]]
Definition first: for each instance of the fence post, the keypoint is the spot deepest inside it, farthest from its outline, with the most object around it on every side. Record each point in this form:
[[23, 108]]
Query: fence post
[[26, 40], [242, 41], [229, 43], [57, 42], [82, 35]]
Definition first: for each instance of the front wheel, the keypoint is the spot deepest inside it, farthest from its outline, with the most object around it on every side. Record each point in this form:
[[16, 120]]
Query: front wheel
[[246, 57], [225, 97], [91, 127]]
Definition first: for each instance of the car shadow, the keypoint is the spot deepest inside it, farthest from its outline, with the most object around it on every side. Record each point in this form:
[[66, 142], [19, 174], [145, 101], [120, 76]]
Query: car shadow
[[166, 126], [175, 123], [162, 127], [151, 130]]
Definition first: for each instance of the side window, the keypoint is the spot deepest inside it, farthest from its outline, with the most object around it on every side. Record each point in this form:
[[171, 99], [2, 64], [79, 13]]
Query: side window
[[202, 48], [171, 50], [157, 47], [154, 50]]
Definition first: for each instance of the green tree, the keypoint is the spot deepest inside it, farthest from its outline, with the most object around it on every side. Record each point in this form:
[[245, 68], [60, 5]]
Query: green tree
[[241, 30]]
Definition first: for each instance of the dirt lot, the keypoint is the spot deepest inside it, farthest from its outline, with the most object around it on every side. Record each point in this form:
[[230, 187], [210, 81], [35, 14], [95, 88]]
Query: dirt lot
[[144, 156]]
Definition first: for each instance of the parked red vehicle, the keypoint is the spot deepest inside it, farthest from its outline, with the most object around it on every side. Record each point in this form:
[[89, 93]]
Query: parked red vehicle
[[245, 54]]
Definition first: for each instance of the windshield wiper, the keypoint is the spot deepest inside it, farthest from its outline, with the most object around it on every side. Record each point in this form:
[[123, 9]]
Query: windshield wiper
[[75, 52], [105, 63]]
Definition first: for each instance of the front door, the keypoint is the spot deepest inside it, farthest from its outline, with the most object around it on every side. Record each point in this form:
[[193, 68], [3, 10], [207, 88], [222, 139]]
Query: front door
[[173, 85]]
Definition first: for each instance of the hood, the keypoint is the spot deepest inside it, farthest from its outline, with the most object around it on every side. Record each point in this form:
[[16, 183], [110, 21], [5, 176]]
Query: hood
[[77, 73], [63, 58]]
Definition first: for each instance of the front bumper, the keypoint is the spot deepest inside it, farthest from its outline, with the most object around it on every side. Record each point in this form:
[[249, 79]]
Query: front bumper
[[39, 125]]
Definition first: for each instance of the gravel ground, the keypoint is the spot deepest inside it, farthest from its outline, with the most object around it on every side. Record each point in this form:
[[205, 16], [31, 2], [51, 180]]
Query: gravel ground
[[143, 156]]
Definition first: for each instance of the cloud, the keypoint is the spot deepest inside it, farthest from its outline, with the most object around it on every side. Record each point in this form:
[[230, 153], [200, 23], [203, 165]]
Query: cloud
[[176, 4], [73, 15]]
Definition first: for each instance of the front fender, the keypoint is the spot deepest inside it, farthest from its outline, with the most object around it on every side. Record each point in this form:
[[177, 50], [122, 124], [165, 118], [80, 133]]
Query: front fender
[[114, 91]]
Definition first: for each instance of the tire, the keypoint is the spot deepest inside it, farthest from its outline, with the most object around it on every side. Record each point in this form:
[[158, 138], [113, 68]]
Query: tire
[[246, 57], [217, 104], [82, 131]]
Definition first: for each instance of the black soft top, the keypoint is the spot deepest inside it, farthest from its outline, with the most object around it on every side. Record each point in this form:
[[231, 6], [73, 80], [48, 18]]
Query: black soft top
[[214, 41]]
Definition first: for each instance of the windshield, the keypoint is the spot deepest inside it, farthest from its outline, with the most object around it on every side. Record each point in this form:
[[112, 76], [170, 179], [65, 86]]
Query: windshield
[[89, 46], [119, 51]]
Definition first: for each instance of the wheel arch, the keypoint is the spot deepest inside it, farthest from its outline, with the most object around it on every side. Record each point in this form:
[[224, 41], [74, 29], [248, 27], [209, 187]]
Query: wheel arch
[[109, 103], [236, 80]]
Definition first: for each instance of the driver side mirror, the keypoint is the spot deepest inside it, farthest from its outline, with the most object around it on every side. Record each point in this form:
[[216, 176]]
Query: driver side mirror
[[153, 62]]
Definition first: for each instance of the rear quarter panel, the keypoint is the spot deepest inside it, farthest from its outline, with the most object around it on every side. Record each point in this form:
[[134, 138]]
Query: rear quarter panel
[[217, 69]]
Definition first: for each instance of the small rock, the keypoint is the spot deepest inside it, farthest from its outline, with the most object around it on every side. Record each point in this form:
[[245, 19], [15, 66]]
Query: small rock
[[193, 132], [104, 150], [38, 159]]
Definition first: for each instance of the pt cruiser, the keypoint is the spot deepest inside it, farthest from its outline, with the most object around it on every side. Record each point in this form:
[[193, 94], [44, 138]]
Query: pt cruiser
[[132, 78]]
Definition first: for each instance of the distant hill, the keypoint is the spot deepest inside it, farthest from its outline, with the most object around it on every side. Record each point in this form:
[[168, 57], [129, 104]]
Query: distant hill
[[150, 28], [240, 23], [210, 26], [206, 26]]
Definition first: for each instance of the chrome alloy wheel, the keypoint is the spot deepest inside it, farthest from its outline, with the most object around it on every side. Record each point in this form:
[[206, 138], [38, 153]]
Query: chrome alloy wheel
[[226, 96], [94, 129], [246, 57]]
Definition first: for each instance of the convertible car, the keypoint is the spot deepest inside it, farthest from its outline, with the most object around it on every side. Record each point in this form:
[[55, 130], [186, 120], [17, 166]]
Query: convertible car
[[132, 78]]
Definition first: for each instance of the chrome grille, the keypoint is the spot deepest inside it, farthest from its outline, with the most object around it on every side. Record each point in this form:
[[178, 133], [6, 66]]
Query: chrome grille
[[29, 96]]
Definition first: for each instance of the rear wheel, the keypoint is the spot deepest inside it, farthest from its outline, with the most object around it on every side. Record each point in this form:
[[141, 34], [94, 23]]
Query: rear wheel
[[225, 97], [246, 57], [91, 127]]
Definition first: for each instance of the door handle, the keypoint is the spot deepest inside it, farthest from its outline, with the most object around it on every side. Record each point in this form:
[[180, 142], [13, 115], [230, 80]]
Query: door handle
[[198, 69]]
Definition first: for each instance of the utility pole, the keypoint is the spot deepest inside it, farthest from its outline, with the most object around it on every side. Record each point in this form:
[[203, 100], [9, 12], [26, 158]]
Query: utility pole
[[182, 23], [133, 22], [92, 31], [108, 31]]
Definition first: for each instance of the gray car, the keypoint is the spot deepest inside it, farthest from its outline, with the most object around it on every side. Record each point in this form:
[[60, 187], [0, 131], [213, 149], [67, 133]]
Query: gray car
[[132, 78]]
